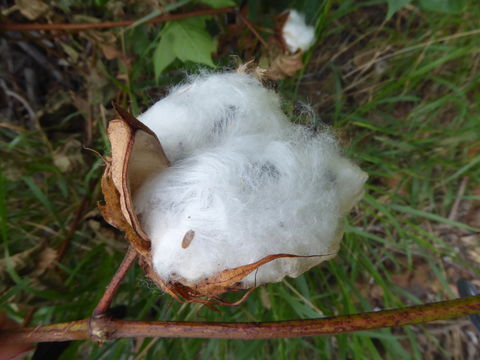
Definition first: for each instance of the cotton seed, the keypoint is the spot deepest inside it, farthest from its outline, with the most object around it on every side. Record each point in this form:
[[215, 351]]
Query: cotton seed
[[187, 239]]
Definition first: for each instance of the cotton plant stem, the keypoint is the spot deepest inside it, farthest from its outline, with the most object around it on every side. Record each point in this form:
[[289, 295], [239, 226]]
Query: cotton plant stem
[[106, 24], [112, 287], [115, 329], [250, 27]]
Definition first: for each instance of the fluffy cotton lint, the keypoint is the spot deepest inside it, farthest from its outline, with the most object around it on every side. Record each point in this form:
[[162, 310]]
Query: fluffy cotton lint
[[296, 33], [210, 110], [244, 184]]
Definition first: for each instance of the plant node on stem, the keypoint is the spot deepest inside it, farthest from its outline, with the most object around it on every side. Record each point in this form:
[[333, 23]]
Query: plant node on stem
[[98, 328]]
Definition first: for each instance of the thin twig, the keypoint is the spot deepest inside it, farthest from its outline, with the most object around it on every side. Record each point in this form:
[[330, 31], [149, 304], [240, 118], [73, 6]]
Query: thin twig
[[112, 287], [33, 116], [22, 100], [249, 25], [108, 24], [115, 329]]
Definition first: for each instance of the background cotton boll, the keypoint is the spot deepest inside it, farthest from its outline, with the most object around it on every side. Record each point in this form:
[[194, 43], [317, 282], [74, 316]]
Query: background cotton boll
[[211, 108], [248, 198], [296, 33]]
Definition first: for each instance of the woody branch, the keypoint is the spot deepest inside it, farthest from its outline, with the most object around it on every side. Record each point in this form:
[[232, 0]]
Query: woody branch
[[115, 329]]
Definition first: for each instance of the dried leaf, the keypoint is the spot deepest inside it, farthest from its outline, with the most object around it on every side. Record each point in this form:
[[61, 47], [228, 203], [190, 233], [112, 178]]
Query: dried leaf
[[470, 243], [69, 157], [110, 51], [107, 42], [136, 153], [114, 192], [112, 211], [33, 264], [228, 280], [397, 183], [207, 291], [285, 65], [70, 51], [251, 68], [31, 9]]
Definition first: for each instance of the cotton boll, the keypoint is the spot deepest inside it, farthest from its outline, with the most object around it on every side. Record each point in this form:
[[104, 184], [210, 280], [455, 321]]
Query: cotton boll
[[296, 33], [244, 184], [210, 109], [247, 198]]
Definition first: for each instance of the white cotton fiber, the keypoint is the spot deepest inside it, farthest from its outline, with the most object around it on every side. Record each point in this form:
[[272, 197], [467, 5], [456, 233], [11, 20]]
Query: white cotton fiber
[[209, 110], [296, 33], [255, 186]]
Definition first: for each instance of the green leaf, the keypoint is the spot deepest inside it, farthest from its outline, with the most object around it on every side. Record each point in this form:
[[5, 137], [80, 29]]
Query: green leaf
[[44, 200], [140, 41], [191, 42], [446, 6], [187, 40], [217, 4], [395, 5], [164, 53], [423, 214]]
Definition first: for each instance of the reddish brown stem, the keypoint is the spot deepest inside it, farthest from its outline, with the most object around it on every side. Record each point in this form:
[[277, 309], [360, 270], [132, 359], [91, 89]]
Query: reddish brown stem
[[250, 27], [112, 287], [108, 24], [76, 221], [115, 329]]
